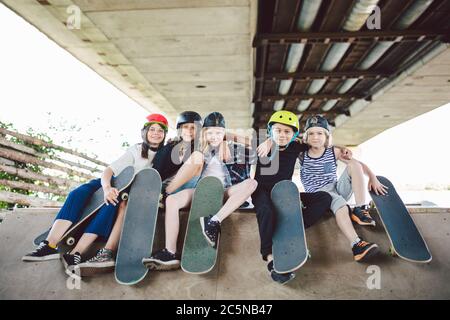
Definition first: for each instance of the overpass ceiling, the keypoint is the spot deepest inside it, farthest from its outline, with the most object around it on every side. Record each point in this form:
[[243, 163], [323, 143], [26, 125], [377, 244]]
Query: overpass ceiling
[[237, 56], [168, 55], [321, 57]]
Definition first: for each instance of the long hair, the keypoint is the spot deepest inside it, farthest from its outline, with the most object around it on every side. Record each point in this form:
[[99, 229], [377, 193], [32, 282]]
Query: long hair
[[204, 145], [145, 147]]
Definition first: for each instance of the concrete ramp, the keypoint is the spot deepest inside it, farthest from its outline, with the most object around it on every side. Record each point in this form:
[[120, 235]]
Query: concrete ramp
[[240, 273]]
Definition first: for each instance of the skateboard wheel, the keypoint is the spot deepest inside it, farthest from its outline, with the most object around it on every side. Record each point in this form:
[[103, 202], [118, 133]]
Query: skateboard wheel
[[309, 254], [392, 252], [124, 196], [70, 241]]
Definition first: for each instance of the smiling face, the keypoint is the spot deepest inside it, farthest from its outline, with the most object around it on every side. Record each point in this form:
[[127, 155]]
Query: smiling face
[[155, 134], [282, 134], [214, 136], [316, 137], [187, 131]]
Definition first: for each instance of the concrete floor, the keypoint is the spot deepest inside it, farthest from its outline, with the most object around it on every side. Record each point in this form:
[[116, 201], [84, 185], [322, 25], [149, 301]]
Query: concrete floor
[[240, 273]]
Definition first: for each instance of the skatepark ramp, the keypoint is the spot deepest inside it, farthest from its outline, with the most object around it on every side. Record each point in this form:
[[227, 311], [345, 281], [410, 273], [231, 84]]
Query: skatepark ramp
[[240, 273]]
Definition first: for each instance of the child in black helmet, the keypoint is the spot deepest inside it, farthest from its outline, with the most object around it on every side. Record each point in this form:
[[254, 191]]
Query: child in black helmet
[[167, 162], [283, 128], [212, 158], [318, 173], [103, 225]]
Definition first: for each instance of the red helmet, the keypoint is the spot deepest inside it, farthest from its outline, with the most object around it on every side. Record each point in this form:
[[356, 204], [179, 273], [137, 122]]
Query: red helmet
[[157, 118]]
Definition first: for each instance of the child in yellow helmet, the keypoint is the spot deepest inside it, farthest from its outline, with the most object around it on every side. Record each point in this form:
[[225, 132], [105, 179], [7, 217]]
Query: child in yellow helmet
[[278, 165]]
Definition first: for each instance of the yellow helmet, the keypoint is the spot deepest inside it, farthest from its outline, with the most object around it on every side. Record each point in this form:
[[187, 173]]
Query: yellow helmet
[[284, 117]]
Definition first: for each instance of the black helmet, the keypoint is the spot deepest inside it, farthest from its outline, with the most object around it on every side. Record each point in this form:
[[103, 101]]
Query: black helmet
[[214, 119], [188, 117], [317, 121]]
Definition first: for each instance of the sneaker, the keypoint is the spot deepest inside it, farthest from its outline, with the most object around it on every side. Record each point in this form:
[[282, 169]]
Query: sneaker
[[71, 262], [103, 261], [42, 253], [211, 230], [162, 260], [363, 250], [282, 278], [361, 216]]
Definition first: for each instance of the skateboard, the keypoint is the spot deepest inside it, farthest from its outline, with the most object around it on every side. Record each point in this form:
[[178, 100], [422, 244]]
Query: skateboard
[[69, 239], [198, 255], [289, 246], [406, 240], [136, 239]]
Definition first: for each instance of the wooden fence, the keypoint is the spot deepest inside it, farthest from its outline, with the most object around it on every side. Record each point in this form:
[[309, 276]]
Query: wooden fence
[[57, 177]]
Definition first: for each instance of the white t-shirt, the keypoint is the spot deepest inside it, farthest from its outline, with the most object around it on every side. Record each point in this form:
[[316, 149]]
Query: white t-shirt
[[215, 169], [132, 157]]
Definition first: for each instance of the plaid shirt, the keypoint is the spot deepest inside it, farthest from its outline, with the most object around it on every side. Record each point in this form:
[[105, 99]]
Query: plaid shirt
[[238, 167]]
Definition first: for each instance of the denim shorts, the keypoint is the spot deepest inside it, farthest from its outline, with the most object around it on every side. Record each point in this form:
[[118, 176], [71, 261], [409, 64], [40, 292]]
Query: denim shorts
[[191, 184], [340, 191]]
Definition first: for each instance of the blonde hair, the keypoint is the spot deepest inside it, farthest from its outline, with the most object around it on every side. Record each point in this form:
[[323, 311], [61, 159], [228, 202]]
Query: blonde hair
[[204, 144], [328, 141]]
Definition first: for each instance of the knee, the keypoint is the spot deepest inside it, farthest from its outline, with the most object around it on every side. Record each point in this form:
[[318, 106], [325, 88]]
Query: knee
[[78, 191], [122, 207], [354, 165], [252, 184], [171, 202], [324, 198]]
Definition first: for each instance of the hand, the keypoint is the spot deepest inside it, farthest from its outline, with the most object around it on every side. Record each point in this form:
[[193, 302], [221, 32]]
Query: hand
[[111, 195], [224, 152], [346, 154], [377, 187], [264, 148]]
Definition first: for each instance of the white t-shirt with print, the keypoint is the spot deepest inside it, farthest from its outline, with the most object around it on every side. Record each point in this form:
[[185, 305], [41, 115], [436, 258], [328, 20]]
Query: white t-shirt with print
[[215, 169], [132, 157]]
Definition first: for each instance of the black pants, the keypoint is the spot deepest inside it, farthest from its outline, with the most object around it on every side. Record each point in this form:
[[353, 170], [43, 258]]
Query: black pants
[[315, 204]]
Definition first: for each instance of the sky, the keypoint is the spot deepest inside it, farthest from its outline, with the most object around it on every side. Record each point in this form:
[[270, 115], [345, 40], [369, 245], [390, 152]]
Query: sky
[[47, 89]]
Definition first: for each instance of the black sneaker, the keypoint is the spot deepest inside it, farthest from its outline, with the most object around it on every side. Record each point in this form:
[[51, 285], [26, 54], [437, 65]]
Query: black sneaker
[[211, 230], [42, 253], [282, 278], [104, 261], [363, 250], [361, 216], [162, 260], [71, 262]]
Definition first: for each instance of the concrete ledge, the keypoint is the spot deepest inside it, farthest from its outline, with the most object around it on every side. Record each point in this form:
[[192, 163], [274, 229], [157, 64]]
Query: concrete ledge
[[240, 273]]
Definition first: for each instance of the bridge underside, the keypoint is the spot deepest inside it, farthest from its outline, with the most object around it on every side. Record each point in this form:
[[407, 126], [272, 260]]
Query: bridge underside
[[242, 57]]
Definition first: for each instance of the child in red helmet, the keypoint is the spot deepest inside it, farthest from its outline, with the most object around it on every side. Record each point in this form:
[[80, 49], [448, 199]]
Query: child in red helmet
[[139, 156]]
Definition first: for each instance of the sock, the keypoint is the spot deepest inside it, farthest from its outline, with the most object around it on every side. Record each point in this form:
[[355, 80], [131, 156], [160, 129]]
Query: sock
[[170, 251], [51, 246], [355, 241], [215, 218]]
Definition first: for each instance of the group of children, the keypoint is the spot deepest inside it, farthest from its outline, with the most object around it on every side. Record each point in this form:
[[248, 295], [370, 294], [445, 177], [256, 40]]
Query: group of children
[[204, 148]]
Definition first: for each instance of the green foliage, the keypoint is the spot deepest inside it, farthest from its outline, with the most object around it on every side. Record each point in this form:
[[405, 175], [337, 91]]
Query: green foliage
[[32, 167]]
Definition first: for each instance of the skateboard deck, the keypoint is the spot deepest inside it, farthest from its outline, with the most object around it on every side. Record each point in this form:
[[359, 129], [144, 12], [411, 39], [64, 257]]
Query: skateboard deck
[[69, 239], [198, 255], [289, 246], [404, 236], [136, 240]]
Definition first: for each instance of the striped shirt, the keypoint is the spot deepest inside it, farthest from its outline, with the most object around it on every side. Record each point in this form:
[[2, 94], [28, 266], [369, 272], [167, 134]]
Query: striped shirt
[[316, 173]]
